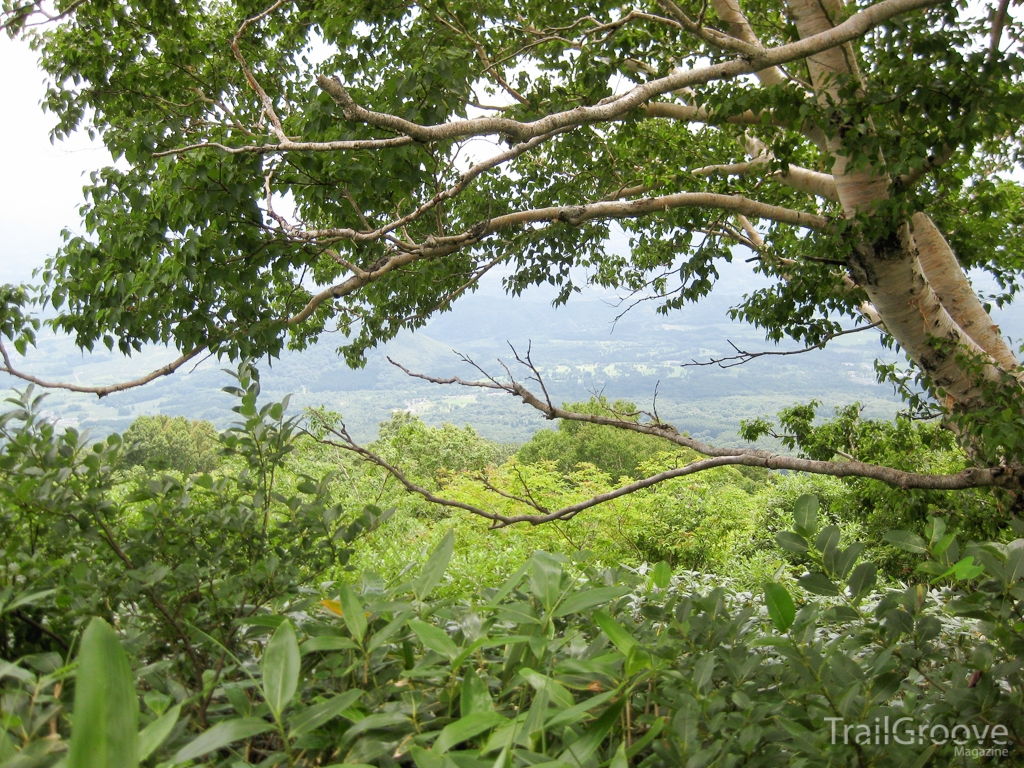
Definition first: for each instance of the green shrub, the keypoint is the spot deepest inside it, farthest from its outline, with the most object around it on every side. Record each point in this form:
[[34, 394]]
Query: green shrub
[[170, 442], [570, 665]]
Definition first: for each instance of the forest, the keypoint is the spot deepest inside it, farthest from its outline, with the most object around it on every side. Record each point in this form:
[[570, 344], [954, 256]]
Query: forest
[[280, 601], [687, 548]]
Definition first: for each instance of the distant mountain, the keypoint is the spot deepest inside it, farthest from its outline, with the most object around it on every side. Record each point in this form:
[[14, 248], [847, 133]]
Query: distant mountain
[[580, 348]]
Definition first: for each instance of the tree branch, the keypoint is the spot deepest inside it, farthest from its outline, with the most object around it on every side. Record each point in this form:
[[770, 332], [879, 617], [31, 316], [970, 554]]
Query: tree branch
[[99, 391], [972, 477], [742, 356], [854, 27]]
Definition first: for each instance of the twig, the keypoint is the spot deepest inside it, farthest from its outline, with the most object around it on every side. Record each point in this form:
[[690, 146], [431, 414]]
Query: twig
[[742, 356]]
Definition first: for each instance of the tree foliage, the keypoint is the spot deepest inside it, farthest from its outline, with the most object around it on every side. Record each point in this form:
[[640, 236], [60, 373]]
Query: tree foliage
[[863, 153], [166, 442]]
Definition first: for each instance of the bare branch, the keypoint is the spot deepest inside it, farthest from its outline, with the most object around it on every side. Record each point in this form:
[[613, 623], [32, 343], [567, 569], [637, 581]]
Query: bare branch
[[742, 356], [997, 28], [293, 146], [265, 100], [972, 477], [99, 391]]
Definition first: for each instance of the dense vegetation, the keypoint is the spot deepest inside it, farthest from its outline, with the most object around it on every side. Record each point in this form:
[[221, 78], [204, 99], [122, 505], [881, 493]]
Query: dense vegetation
[[292, 606]]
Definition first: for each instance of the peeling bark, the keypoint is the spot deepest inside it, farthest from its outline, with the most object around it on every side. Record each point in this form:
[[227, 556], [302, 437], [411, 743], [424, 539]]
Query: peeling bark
[[888, 268], [950, 284]]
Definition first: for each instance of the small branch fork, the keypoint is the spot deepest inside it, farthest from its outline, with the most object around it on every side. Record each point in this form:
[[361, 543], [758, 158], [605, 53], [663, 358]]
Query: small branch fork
[[973, 477], [742, 356]]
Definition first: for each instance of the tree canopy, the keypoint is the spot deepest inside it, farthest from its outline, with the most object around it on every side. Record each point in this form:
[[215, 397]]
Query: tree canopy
[[292, 168]]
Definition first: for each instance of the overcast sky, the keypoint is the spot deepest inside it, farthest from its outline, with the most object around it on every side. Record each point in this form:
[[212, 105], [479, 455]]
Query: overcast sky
[[42, 184]]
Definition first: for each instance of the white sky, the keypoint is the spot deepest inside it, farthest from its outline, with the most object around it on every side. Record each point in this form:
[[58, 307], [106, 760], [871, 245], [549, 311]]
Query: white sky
[[40, 184]]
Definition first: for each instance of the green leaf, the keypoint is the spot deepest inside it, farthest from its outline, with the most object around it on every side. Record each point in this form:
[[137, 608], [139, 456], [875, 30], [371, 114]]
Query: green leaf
[[846, 559], [26, 599], [963, 570], [353, 612], [466, 728], [281, 664], [791, 541], [434, 638], [805, 514], [545, 579], [581, 749], [907, 541], [780, 606], [106, 726], [862, 580], [154, 734], [433, 570], [474, 696], [377, 722], [703, 670], [619, 760], [576, 713], [619, 636], [313, 717], [661, 575], [637, 660], [510, 583], [818, 584], [589, 598], [328, 643], [827, 539], [555, 691], [221, 735]]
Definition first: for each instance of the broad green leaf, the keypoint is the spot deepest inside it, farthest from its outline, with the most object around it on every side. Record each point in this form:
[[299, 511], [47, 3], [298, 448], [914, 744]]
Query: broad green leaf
[[105, 733], [637, 660], [545, 579], [466, 728], [474, 696], [353, 612], [327, 643], [221, 735], [433, 570], [376, 722], [154, 734], [907, 541], [313, 717], [555, 691], [576, 713], [963, 570], [805, 514], [780, 606], [619, 636], [661, 575], [827, 539], [425, 758], [846, 559], [818, 584], [619, 760], [580, 750], [703, 670], [791, 541], [510, 583], [589, 598], [1014, 565], [281, 664], [434, 638], [862, 580]]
